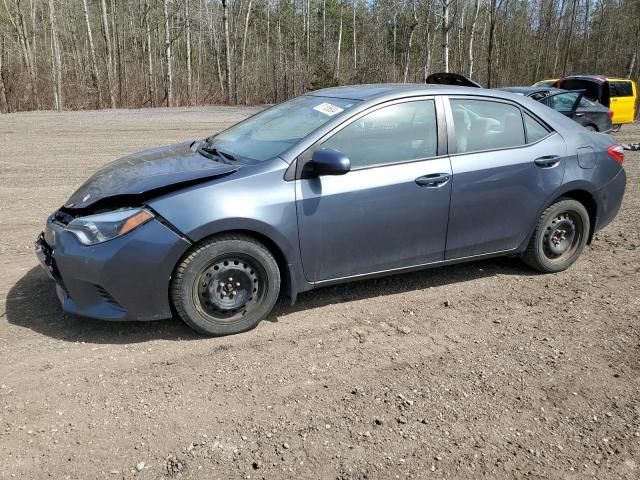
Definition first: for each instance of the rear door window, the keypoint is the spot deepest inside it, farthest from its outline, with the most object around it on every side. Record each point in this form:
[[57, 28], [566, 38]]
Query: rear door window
[[620, 89], [486, 125]]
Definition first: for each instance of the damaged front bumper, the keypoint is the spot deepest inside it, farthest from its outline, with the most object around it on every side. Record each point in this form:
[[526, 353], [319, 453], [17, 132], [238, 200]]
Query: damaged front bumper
[[126, 278]]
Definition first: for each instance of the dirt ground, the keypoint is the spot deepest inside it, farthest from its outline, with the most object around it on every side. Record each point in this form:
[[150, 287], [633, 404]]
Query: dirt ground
[[478, 370]]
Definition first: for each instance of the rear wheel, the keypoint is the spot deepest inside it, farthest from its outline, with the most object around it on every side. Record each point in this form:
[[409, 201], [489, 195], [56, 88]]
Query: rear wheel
[[591, 128], [616, 128], [226, 285], [559, 238]]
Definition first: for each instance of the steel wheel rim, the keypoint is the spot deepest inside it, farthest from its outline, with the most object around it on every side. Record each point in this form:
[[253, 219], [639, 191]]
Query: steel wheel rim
[[562, 236], [229, 287]]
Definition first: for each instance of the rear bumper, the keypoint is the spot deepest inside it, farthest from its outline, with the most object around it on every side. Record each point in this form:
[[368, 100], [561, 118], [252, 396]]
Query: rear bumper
[[126, 278], [609, 199]]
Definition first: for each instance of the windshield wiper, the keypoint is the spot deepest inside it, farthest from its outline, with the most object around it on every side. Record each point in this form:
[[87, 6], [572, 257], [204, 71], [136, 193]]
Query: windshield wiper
[[213, 153]]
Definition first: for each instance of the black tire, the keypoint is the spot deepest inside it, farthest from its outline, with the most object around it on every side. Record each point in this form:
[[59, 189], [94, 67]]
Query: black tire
[[207, 296], [616, 128], [591, 128], [559, 237]]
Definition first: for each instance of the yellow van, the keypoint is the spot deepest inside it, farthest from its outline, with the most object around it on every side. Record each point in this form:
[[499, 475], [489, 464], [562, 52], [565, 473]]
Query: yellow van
[[619, 94]]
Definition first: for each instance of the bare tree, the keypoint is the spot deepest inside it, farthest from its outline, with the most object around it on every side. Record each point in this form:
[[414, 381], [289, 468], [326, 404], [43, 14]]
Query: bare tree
[[168, 79], [151, 90], [56, 61], [4, 104], [187, 20], [16, 18], [446, 27], [244, 51], [355, 43], [412, 28], [336, 71], [109, 54], [476, 10], [227, 49], [95, 75]]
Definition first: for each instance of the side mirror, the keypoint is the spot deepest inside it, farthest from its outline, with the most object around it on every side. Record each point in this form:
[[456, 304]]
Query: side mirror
[[326, 161]]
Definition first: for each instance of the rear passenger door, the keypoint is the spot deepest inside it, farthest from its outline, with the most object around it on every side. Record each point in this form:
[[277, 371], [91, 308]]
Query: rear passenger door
[[505, 163]]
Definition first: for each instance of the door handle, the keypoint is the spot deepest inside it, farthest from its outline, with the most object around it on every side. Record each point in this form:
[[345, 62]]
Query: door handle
[[548, 161], [579, 114], [433, 180]]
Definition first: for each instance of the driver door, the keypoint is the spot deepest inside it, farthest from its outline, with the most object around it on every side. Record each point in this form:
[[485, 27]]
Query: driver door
[[391, 209]]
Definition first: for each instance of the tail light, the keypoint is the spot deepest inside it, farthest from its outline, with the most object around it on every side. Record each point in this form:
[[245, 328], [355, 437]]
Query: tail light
[[610, 113], [617, 152]]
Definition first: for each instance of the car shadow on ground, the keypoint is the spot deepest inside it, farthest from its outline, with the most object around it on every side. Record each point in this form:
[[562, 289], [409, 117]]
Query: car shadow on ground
[[32, 303]]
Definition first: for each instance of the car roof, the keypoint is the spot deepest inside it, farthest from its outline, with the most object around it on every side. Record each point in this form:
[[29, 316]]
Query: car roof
[[530, 90], [389, 91]]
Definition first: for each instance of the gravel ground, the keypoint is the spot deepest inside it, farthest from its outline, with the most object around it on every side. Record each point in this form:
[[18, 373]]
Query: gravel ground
[[477, 370]]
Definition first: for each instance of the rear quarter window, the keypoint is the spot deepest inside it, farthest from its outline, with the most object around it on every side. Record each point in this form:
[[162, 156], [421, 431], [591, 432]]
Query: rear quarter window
[[534, 129]]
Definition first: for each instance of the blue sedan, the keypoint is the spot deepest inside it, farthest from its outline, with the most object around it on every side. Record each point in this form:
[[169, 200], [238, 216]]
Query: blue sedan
[[333, 186]]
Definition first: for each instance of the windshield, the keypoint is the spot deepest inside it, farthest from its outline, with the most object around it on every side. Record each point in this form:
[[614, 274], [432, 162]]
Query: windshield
[[271, 132]]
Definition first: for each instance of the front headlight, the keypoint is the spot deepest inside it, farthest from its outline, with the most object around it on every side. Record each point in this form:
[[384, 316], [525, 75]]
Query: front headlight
[[99, 228]]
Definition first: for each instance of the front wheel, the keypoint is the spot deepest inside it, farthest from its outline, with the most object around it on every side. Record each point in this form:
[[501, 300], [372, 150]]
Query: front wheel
[[559, 238], [225, 285]]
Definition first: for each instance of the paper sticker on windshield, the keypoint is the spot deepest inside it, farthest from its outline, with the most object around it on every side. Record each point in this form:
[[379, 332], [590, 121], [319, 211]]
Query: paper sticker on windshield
[[328, 109]]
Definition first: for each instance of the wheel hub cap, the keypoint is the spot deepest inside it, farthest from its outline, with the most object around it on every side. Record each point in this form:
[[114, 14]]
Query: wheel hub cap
[[227, 287], [560, 235]]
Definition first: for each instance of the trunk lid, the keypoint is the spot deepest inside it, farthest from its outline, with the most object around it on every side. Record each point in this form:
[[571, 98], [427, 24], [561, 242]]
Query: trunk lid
[[448, 78]]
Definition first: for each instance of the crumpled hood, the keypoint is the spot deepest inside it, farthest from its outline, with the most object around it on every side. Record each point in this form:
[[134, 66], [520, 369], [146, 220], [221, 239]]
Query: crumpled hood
[[146, 171]]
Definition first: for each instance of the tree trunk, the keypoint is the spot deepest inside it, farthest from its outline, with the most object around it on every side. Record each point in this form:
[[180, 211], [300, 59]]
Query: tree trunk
[[471, 38], [336, 71], [188, 41], [244, 51], [324, 29], [95, 75], [569, 38], [109, 60], [446, 26], [557, 46], [4, 104], [492, 24], [56, 61], [150, 79], [216, 50], [227, 49], [395, 38], [168, 82], [355, 53], [412, 28]]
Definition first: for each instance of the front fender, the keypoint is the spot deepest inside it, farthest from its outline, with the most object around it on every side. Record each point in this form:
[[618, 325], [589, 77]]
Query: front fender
[[255, 200]]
